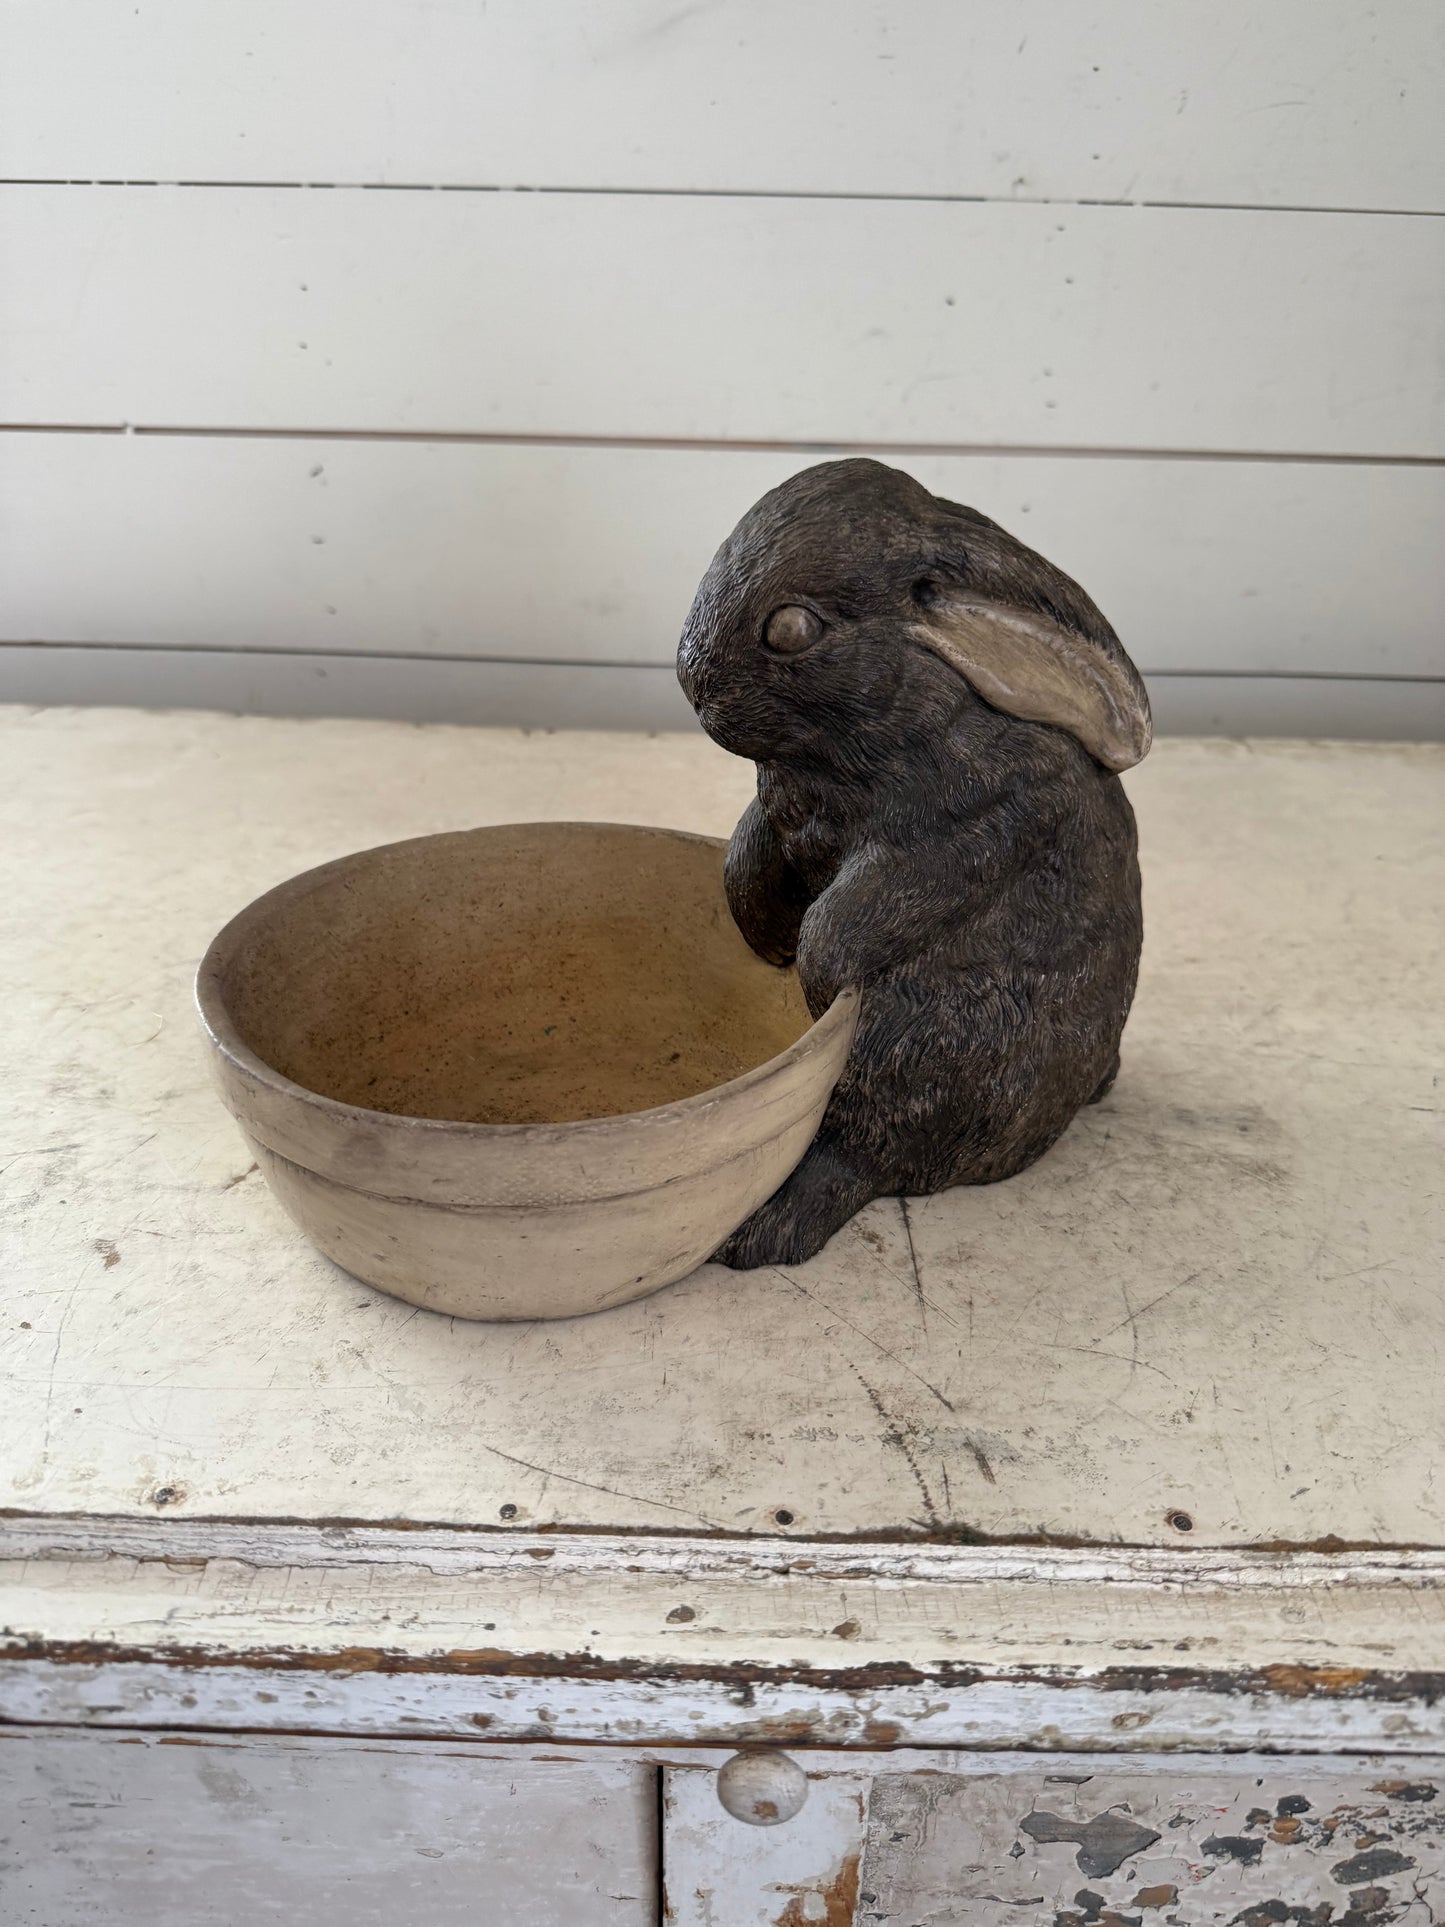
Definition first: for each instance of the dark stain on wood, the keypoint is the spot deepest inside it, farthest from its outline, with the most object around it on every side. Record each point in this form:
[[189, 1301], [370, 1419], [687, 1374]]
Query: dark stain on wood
[[1303, 1682], [744, 1677], [791, 1729]]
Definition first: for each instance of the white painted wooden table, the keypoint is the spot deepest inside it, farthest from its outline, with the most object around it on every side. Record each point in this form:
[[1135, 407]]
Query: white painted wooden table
[[1112, 1491]]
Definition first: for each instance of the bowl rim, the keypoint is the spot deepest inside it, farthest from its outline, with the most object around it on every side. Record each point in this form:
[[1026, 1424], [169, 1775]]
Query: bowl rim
[[226, 1041]]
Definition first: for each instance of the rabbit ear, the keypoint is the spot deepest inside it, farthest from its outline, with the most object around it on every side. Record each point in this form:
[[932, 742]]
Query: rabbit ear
[[1021, 662]]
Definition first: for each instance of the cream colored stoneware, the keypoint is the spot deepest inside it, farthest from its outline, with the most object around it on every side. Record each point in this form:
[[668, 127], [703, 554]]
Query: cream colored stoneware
[[516, 1072]]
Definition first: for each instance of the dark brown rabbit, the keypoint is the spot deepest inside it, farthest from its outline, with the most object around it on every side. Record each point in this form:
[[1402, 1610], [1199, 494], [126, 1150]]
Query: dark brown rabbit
[[938, 716]]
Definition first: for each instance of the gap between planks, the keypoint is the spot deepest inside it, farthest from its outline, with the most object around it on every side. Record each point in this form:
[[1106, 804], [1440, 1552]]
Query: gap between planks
[[660, 668], [514, 438], [731, 194]]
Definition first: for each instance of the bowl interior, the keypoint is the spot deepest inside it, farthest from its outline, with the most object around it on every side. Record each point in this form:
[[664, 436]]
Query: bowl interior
[[535, 973]]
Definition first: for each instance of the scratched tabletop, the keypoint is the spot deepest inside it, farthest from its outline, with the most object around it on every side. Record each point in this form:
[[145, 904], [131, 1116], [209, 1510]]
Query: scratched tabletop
[[1213, 1314]]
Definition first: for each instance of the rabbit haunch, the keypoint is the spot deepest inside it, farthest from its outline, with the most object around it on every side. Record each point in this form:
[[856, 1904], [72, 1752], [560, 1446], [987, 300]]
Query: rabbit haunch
[[937, 715]]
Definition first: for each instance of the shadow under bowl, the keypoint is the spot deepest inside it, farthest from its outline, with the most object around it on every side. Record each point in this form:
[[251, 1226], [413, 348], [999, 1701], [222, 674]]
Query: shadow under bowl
[[517, 1072]]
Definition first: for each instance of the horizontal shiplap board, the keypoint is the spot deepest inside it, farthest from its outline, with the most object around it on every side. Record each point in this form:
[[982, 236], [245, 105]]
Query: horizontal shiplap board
[[624, 696], [1300, 102], [592, 554], [524, 695], [723, 318]]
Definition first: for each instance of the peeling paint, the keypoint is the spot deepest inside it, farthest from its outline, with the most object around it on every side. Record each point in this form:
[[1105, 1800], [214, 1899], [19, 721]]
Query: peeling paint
[[881, 1733], [1280, 1913], [1372, 1865], [1248, 1844], [1293, 1682], [1233, 1846], [1300, 1680], [831, 1903], [1093, 1910], [1104, 1843]]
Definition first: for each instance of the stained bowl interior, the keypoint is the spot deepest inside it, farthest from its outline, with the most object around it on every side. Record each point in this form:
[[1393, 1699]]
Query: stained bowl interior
[[536, 973]]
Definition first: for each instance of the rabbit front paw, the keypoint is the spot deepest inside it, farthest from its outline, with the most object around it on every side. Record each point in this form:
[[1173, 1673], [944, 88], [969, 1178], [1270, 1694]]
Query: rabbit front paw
[[801, 1215], [771, 1237]]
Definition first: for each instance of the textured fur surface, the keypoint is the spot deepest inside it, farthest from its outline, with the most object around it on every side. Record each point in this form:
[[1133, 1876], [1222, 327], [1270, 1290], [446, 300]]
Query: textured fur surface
[[974, 873]]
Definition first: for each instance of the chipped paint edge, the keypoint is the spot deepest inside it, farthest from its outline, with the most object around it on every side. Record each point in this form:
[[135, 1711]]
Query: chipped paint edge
[[480, 1550], [1023, 1716], [377, 1631]]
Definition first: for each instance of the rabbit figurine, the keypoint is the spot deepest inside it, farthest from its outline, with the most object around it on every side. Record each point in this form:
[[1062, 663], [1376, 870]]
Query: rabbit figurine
[[938, 716]]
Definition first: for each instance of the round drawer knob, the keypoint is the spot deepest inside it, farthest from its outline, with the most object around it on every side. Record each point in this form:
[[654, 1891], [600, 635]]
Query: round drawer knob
[[761, 1787]]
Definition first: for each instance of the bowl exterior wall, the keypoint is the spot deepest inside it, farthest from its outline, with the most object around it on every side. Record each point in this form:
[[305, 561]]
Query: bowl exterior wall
[[553, 1260]]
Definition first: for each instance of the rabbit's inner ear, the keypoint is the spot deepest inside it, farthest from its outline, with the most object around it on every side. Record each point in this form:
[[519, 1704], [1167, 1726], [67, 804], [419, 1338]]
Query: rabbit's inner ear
[[1022, 663]]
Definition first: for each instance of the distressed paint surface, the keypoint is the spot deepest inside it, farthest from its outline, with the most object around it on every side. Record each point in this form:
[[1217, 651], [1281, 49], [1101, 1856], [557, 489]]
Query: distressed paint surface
[[1343, 1846], [861, 1645], [1172, 1316], [639, 1707], [721, 1873], [931, 1838], [231, 1590], [954, 1841], [148, 1622], [179, 1832]]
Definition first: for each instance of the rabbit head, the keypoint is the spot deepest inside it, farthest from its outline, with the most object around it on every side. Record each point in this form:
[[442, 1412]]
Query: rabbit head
[[823, 619]]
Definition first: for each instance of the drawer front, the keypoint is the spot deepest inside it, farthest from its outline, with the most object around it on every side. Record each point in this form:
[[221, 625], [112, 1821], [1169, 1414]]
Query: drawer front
[[1035, 1841], [180, 1831]]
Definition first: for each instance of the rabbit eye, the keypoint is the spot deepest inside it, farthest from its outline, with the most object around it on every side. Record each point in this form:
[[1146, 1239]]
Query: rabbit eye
[[791, 628]]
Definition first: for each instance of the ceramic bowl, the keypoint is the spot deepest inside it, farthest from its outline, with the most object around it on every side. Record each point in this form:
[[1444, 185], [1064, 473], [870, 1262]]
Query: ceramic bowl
[[516, 1072]]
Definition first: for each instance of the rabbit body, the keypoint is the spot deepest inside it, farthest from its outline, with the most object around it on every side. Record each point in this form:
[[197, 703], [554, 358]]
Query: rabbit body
[[975, 873]]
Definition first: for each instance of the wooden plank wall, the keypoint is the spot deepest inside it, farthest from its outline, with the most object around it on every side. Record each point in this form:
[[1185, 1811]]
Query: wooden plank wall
[[381, 357]]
